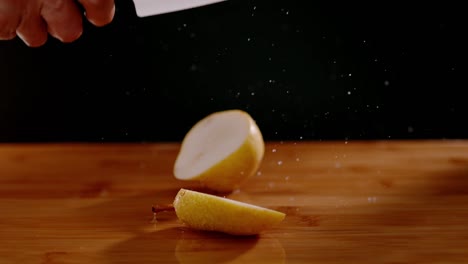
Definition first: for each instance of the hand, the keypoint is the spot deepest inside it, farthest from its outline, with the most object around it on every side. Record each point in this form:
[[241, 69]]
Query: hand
[[33, 20]]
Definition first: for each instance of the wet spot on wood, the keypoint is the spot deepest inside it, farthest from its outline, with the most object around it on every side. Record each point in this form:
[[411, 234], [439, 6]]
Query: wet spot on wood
[[51, 257], [459, 161], [386, 183], [288, 210], [96, 189], [359, 169], [310, 220]]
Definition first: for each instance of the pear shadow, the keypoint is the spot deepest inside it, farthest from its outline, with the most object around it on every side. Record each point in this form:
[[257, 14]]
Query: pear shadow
[[180, 245], [125, 213]]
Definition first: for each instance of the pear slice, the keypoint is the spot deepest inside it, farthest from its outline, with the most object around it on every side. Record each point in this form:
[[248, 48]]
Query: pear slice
[[214, 213], [221, 151]]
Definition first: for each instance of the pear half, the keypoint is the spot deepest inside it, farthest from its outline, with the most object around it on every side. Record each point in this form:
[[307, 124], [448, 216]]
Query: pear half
[[214, 213], [221, 151]]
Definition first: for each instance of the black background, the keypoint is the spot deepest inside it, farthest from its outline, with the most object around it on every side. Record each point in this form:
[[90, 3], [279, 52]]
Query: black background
[[302, 69]]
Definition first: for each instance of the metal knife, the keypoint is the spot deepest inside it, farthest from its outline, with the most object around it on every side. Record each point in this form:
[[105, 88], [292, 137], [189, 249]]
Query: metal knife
[[146, 8]]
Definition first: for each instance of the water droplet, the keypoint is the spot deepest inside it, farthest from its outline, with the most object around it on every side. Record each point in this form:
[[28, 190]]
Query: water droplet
[[337, 165], [255, 7], [280, 162], [259, 173], [252, 93], [248, 39], [273, 150], [349, 92], [372, 199], [346, 142], [292, 199], [242, 173], [286, 178], [410, 129], [271, 185], [386, 83], [300, 137], [350, 75], [297, 159]]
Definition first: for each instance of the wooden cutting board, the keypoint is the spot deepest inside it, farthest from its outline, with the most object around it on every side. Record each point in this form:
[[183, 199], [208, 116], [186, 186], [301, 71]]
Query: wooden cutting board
[[346, 202]]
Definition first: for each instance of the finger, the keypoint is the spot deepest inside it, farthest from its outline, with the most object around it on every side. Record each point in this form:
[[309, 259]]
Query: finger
[[99, 12], [7, 30], [63, 19], [32, 30], [8, 23]]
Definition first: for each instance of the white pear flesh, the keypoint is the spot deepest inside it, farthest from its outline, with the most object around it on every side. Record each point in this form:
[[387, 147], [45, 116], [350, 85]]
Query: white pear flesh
[[221, 151], [209, 212]]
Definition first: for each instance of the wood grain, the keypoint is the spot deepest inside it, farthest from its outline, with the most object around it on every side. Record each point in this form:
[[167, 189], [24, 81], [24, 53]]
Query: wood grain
[[353, 202]]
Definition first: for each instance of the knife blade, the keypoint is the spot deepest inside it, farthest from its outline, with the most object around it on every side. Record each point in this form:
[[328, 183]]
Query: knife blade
[[146, 8]]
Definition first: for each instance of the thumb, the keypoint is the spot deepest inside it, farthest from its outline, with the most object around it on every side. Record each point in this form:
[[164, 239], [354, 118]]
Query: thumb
[[99, 12]]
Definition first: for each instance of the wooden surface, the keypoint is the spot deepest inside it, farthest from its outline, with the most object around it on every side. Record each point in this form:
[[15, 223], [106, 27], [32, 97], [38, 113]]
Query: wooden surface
[[346, 202]]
